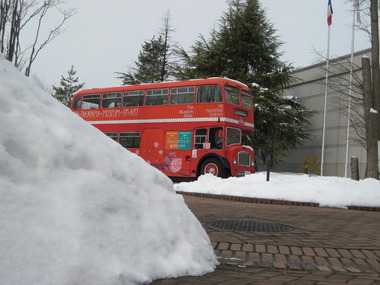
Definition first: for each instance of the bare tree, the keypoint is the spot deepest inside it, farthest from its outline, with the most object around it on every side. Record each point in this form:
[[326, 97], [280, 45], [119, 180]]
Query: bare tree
[[364, 102], [15, 15], [370, 119], [349, 103]]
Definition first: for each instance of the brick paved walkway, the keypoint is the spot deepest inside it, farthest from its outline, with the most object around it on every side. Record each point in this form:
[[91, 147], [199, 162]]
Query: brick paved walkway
[[338, 243]]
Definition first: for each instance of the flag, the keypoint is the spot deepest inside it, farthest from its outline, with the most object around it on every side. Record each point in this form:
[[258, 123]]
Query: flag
[[329, 13]]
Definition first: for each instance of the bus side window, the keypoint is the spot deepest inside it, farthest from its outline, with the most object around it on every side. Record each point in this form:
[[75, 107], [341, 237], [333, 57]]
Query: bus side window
[[91, 101], [130, 139], [133, 98], [182, 95], [200, 138], [216, 138], [112, 135], [77, 103], [247, 99], [111, 100], [209, 94], [156, 97]]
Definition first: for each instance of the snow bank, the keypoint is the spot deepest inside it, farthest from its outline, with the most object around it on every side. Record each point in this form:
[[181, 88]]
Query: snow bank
[[327, 191], [77, 208]]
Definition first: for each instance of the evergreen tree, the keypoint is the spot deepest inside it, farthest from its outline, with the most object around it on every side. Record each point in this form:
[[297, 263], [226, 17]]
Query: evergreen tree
[[69, 85], [149, 65], [154, 60], [281, 123], [245, 48]]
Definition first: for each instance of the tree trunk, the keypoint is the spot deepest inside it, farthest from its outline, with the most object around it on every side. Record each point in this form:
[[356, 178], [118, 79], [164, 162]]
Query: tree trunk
[[370, 119], [375, 63]]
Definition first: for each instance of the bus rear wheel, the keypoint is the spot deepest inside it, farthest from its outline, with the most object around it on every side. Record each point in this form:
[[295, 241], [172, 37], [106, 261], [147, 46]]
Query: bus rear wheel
[[214, 167]]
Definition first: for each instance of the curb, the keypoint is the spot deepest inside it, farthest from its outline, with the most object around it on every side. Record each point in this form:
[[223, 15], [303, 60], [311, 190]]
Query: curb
[[269, 201], [299, 258]]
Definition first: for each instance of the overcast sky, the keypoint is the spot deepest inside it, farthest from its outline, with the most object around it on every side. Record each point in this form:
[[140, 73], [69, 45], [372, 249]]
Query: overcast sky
[[105, 37]]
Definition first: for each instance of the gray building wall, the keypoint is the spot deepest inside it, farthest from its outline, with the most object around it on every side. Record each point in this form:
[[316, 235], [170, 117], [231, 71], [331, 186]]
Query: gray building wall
[[310, 87]]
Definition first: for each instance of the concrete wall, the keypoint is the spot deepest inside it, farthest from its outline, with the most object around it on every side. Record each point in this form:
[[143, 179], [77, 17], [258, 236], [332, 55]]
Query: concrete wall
[[310, 87]]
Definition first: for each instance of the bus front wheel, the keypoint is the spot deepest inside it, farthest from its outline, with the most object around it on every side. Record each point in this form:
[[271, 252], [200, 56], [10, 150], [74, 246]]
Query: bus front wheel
[[214, 167]]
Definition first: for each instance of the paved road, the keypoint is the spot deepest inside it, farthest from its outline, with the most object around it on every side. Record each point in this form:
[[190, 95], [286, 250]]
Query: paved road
[[321, 245]]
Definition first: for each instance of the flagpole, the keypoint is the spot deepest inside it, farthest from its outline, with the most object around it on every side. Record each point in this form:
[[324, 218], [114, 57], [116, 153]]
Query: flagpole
[[325, 103], [350, 91], [329, 22]]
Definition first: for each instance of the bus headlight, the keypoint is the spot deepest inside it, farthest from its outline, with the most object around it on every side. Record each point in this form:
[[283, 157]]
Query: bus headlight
[[234, 161]]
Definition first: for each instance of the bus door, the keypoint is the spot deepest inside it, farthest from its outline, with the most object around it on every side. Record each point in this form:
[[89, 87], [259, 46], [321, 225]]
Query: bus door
[[177, 153], [151, 147], [208, 148]]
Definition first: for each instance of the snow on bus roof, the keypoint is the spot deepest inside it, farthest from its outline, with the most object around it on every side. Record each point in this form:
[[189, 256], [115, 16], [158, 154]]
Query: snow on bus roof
[[168, 83]]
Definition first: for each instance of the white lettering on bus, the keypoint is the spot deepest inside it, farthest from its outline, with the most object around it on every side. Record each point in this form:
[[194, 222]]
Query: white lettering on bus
[[215, 112], [187, 113], [112, 113]]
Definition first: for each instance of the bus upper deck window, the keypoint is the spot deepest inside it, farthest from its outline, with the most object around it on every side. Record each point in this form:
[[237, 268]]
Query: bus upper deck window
[[111, 100], [232, 95], [91, 101], [182, 95], [77, 103], [156, 97], [209, 94], [247, 99], [133, 98]]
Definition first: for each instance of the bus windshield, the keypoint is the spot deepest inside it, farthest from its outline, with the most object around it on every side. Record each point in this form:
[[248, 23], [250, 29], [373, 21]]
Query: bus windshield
[[233, 136]]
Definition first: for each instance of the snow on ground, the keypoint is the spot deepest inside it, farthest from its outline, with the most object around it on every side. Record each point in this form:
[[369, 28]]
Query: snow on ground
[[327, 191], [77, 208]]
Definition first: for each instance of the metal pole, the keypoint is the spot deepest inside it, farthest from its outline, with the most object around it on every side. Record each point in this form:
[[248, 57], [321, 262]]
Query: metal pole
[[325, 105], [350, 92]]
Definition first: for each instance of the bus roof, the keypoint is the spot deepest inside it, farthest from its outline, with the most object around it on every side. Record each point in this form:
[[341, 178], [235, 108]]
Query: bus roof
[[190, 82]]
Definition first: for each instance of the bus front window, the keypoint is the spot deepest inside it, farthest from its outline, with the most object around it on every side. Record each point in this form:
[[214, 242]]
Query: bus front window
[[233, 136]]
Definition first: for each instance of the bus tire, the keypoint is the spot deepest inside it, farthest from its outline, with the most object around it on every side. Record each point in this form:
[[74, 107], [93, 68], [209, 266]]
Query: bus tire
[[213, 166]]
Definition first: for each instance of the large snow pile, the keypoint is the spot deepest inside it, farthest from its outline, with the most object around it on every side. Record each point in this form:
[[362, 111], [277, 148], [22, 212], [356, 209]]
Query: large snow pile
[[327, 191], [76, 208]]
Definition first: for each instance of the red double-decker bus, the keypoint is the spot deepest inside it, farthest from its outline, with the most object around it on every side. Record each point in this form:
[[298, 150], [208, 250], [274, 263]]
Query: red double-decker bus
[[185, 128]]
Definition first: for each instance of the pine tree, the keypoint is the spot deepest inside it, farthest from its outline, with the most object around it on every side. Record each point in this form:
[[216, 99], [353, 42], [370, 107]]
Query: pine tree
[[153, 63], [245, 48], [69, 85], [281, 122], [149, 65]]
